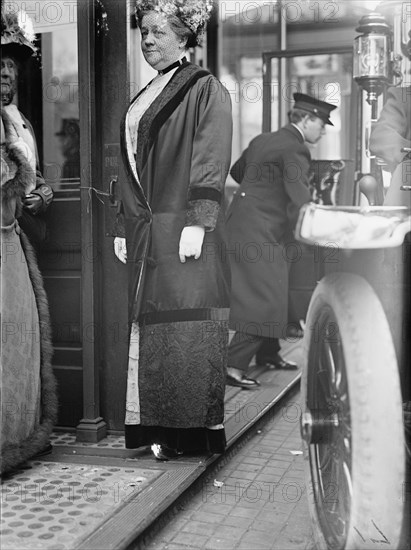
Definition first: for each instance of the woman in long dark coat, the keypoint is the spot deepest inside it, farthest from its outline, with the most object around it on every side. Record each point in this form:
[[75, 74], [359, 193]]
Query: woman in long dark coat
[[177, 144]]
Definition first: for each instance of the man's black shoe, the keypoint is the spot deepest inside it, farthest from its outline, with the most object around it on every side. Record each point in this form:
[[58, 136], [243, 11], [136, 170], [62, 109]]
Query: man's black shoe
[[277, 363], [244, 382]]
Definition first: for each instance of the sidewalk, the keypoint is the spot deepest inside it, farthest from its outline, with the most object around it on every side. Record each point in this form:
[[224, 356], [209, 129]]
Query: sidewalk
[[261, 503], [103, 496]]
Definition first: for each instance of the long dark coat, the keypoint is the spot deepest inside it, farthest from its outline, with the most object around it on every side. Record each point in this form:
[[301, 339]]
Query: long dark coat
[[273, 172], [182, 168], [183, 158]]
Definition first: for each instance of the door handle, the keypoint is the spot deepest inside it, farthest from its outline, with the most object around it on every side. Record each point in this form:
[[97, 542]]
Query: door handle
[[111, 190]]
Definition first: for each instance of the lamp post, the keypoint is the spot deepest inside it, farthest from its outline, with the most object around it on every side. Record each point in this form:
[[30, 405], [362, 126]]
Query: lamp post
[[376, 67], [372, 56], [373, 72]]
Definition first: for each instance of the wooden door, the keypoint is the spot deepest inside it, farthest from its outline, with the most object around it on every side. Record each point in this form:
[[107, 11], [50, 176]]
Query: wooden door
[[83, 79]]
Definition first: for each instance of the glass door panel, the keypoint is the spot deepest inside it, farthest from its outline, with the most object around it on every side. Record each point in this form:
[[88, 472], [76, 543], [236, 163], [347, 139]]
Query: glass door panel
[[327, 77], [61, 130], [49, 87]]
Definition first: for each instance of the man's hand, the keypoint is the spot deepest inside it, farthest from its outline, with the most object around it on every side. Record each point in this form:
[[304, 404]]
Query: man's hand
[[191, 242], [120, 249], [33, 203]]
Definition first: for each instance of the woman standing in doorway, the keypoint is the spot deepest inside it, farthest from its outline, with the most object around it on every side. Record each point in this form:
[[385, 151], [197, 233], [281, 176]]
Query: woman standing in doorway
[[28, 398], [176, 143]]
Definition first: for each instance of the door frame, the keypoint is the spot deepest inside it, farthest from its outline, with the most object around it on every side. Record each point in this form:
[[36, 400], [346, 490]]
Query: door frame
[[92, 427], [282, 55], [103, 45]]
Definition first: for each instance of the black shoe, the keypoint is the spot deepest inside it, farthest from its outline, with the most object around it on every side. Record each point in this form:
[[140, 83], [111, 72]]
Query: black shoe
[[245, 383], [162, 452], [277, 363]]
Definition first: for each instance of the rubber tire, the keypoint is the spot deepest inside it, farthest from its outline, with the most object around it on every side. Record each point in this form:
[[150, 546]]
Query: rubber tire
[[377, 437]]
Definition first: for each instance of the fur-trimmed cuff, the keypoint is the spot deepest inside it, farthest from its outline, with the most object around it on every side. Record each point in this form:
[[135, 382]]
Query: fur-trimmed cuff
[[203, 212]]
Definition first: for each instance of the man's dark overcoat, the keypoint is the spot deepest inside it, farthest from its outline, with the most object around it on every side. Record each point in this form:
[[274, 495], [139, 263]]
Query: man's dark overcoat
[[273, 172]]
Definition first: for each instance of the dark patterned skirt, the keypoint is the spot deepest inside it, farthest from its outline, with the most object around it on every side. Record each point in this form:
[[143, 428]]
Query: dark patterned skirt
[[179, 387]]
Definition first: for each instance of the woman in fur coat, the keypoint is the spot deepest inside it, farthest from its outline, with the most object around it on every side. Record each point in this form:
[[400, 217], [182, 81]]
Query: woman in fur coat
[[28, 389]]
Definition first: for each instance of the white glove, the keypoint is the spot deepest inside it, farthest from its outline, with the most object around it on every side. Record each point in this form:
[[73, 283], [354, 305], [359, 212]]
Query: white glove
[[120, 249], [191, 241]]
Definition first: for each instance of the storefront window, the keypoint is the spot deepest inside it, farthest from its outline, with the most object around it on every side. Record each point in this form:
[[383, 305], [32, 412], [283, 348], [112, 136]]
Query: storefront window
[[308, 48], [327, 77], [247, 30]]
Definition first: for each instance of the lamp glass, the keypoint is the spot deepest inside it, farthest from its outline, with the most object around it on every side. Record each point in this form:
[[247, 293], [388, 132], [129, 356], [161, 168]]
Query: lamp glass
[[371, 56]]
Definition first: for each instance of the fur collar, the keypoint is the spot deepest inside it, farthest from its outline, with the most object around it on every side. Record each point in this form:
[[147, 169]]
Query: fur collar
[[15, 188]]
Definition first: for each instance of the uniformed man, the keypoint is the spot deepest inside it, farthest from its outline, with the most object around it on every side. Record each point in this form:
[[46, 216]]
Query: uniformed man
[[273, 172]]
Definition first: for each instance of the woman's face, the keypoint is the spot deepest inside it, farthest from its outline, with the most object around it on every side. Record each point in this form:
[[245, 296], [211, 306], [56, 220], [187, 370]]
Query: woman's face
[[159, 43], [8, 79]]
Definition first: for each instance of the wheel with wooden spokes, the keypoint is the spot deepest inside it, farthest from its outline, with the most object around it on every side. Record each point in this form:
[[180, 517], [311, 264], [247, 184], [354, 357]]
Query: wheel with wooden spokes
[[352, 418]]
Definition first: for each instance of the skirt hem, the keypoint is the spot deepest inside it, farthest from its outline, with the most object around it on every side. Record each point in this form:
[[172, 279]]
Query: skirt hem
[[188, 439]]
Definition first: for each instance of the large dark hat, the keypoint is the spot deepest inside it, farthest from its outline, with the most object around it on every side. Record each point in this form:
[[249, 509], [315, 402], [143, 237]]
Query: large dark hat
[[321, 109], [17, 34]]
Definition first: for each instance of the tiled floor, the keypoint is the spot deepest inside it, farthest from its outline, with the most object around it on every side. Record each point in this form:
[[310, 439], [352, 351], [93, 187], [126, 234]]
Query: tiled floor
[[257, 501], [63, 503], [57, 502], [63, 439]]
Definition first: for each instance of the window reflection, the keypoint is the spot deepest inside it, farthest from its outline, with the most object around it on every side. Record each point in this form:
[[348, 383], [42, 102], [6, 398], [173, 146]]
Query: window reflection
[[327, 77], [247, 30], [251, 29], [56, 71], [61, 132]]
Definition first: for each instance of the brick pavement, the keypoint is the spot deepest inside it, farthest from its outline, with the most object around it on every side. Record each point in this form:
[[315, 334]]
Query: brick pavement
[[261, 504]]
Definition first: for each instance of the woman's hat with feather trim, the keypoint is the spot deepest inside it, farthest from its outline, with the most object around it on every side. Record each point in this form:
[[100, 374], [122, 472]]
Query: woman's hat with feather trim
[[17, 34], [194, 14]]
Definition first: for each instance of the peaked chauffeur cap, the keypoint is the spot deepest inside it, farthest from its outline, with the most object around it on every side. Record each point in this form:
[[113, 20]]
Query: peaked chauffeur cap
[[321, 109]]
